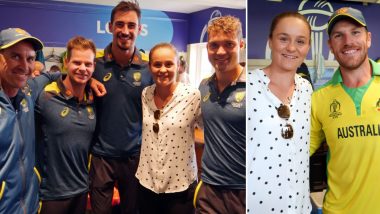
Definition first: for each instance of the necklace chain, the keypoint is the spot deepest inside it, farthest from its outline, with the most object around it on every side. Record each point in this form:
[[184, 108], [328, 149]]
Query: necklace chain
[[163, 102]]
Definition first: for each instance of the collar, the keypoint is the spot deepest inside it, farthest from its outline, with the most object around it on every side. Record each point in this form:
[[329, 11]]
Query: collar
[[88, 97], [21, 93], [150, 96], [137, 58], [337, 77], [240, 78], [17, 101]]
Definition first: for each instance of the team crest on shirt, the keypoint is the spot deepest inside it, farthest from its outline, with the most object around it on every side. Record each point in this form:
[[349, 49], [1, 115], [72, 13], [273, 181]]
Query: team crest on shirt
[[206, 97], [91, 113], [335, 109], [24, 105], [378, 105], [238, 98], [65, 112], [137, 78], [107, 77]]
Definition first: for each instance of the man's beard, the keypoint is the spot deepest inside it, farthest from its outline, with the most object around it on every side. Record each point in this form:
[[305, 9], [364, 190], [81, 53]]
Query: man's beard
[[352, 65]]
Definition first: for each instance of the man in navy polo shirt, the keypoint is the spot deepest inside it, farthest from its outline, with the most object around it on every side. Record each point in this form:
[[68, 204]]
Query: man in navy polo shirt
[[124, 72], [65, 123], [222, 189]]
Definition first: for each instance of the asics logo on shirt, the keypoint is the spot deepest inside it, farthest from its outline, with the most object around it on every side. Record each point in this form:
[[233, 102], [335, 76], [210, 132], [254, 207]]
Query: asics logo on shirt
[[107, 77]]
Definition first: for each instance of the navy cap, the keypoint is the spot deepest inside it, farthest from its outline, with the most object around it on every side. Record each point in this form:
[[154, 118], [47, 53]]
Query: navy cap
[[11, 36], [344, 13]]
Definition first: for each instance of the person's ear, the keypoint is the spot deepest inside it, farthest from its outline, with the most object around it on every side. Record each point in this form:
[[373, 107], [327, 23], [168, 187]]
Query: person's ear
[[110, 27], [242, 44], [65, 61], [369, 39], [139, 29], [329, 44], [270, 43]]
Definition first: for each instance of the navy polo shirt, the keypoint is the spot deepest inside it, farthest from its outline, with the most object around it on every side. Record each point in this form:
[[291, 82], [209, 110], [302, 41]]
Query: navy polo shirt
[[223, 160], [119, 112], [65, 130]]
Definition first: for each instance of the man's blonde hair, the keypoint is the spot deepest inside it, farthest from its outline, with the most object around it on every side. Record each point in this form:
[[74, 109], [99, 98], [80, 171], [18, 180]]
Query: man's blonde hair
[[79, 42], [227, 25]]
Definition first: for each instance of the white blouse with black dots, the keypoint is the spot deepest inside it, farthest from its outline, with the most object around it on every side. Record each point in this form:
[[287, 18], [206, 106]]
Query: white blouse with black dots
[[277, 168], [167, 160]]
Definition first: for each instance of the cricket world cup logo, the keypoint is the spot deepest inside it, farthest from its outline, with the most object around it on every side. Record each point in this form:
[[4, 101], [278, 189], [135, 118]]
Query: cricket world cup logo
[[317, 14]]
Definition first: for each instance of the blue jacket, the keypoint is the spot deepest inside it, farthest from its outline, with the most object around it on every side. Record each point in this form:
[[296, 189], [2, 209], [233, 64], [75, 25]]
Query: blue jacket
[[18, 178]]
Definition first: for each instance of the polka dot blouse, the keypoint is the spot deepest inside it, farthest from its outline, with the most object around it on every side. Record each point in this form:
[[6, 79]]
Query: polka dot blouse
[[277, 168], [167, 160]]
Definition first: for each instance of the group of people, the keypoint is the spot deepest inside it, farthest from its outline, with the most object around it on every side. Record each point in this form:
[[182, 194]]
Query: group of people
[[121, 120], [287, 121]]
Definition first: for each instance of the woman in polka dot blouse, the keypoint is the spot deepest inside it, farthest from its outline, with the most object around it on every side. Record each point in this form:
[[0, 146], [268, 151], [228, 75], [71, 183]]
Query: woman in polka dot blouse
[[278, 123], [167, 170]]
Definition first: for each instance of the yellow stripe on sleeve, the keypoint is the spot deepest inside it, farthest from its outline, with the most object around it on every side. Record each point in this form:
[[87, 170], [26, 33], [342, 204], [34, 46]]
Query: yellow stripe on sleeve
[[89, 162], [2, 189], [38, 174], [196, 193]]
